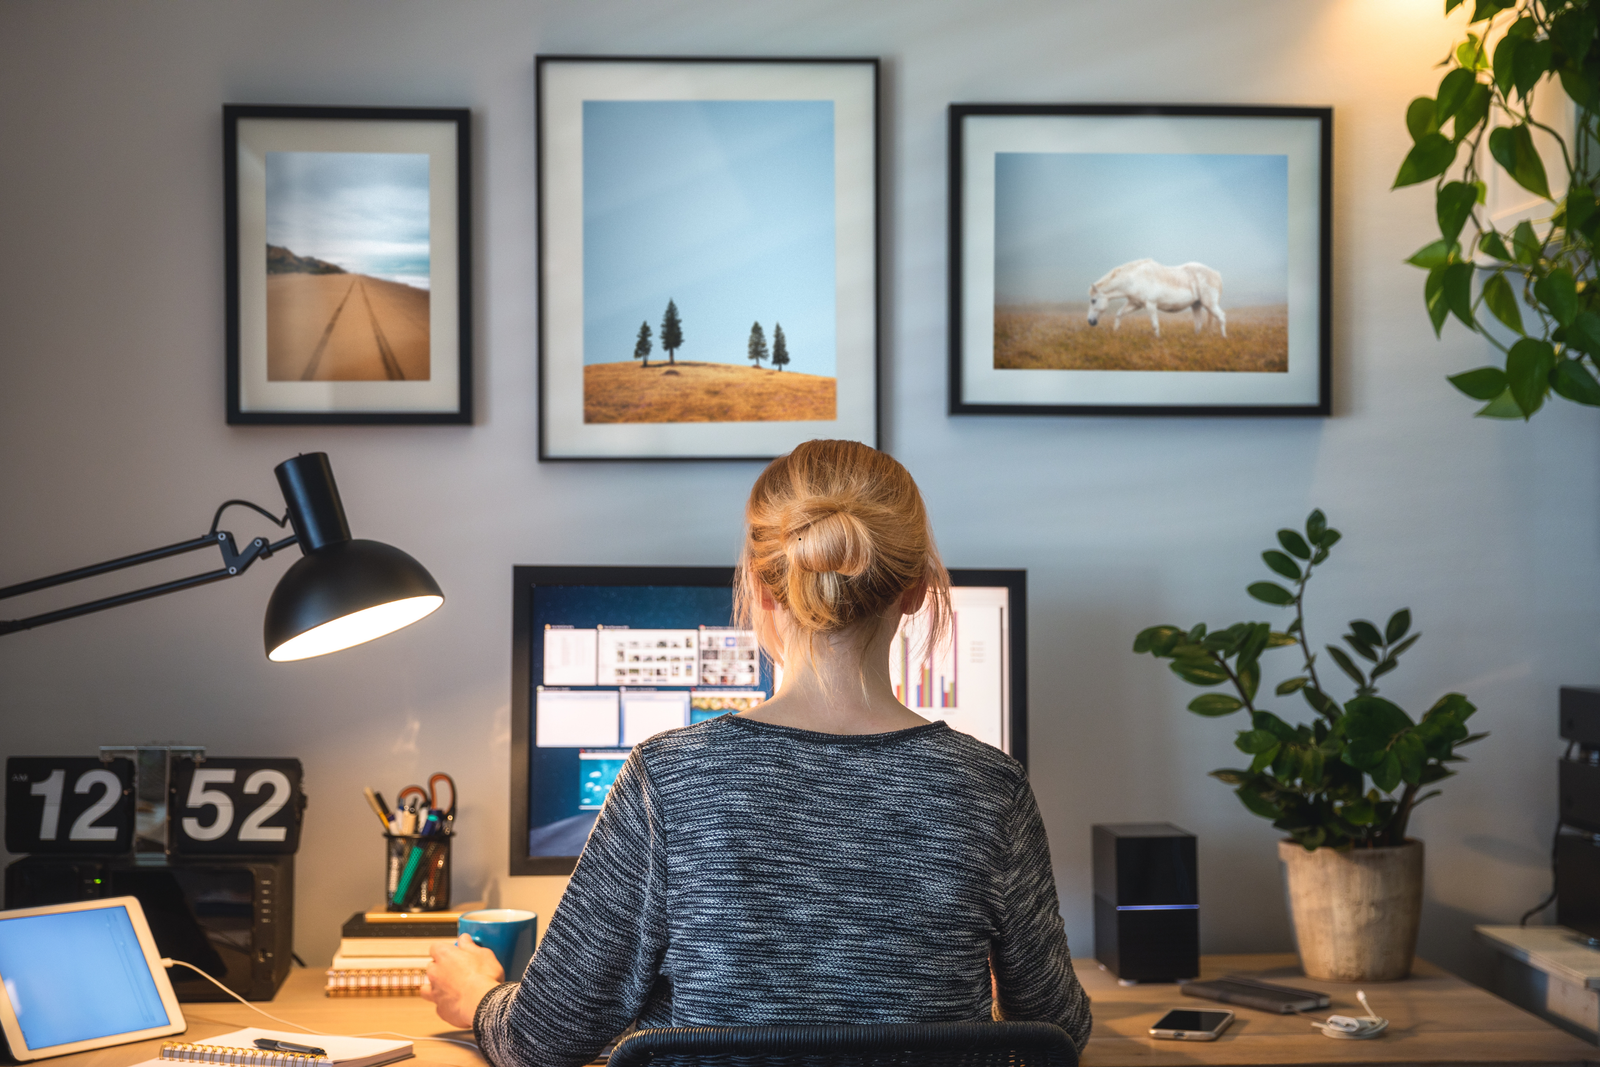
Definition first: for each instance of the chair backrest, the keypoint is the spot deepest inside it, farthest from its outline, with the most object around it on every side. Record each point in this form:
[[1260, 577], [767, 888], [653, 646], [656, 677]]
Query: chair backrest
[[882, 1045]]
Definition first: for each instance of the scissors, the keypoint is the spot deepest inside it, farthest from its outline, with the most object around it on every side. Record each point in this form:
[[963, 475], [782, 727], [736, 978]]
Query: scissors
[[430, 796]]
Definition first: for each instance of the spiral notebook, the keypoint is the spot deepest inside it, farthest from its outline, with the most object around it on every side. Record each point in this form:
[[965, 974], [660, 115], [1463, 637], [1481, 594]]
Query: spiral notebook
[[238, 1050]]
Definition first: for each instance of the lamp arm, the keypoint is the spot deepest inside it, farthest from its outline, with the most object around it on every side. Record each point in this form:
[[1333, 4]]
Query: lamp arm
[[234, 562]]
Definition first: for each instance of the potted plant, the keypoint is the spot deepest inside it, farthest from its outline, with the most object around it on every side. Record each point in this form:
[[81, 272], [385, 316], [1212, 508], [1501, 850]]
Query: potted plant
[[1354, 878], [1486, 100]]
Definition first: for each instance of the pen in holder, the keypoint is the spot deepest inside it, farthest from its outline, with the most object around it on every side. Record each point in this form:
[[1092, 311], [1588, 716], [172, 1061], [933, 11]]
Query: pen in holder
[[417, 875]]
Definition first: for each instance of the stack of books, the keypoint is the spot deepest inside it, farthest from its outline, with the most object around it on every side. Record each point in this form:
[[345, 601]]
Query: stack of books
[[385, 954]]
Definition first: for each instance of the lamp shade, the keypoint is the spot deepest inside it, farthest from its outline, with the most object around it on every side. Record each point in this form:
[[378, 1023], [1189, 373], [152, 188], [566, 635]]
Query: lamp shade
[[344, 593]]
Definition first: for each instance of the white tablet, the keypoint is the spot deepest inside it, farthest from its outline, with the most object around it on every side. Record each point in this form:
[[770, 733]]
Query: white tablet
[[75, 977]]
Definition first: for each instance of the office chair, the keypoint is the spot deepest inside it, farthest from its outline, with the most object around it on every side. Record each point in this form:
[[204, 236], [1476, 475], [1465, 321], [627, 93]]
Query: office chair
[[883, 1045]]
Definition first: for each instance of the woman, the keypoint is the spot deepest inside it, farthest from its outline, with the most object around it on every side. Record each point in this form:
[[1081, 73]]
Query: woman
[[827, 857]]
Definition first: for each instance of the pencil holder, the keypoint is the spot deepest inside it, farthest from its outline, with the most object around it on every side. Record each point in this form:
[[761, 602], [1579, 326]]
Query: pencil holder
[[417, 874]]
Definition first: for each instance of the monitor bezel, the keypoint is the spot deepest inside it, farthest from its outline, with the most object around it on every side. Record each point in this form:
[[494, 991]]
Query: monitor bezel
[[175, 1024], [526, 578]]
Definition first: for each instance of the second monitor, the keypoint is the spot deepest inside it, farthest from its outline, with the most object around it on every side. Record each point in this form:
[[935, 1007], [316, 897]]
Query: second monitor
[[604, 657]]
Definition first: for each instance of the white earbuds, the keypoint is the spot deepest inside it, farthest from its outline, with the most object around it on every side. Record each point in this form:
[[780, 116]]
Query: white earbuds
[[1352, 1029]]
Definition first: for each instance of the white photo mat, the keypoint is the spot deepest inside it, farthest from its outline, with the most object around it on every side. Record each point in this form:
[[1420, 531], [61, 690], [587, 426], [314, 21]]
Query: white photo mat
[[566, 83], [984, 136], [441, 392]]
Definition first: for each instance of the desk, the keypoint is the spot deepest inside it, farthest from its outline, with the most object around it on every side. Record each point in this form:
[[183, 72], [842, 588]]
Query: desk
[[1434, 1018]]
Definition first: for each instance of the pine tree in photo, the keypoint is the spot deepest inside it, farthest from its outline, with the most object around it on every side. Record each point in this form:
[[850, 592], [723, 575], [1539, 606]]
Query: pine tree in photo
[[671, 332], [780, 347], [641, 347], [758, 345]]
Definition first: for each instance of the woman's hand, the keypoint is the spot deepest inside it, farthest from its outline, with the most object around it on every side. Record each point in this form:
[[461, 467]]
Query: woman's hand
[[458, 979]]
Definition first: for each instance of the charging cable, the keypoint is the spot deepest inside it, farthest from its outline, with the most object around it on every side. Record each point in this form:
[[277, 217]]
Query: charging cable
[[1354, 1029], [170, 963]]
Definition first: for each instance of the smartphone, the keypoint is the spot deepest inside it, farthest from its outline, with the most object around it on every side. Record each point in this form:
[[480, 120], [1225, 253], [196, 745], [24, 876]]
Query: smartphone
[[1183, 1025]]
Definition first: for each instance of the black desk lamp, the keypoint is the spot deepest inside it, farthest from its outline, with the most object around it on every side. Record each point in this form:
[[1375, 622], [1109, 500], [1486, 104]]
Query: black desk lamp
[[341, 592]]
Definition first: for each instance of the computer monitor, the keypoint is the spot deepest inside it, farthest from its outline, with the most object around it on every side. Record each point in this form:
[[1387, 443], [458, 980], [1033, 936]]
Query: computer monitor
[[604, 657]]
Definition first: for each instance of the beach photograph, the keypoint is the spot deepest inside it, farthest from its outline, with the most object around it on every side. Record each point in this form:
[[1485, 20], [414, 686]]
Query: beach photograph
[[708, 261], [347, 266], [1141, 262]]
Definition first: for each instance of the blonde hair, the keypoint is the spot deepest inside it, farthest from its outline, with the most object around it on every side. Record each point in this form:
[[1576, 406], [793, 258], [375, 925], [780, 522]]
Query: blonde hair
[[836, 532]]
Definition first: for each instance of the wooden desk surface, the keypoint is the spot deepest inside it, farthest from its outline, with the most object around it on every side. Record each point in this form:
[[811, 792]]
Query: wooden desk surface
[[1434, 1018], [302, 1001]]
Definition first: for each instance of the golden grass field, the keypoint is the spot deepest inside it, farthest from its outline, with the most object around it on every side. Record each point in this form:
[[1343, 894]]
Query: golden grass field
[[1059, 337], [703, 392], [345, 327]]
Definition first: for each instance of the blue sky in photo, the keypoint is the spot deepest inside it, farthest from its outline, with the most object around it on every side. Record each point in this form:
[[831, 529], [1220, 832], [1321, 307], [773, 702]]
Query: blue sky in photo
[[726, 207], [364, 211], [1063, 219]]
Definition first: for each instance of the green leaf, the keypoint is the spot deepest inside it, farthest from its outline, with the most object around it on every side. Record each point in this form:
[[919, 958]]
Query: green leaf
[[1430, 157], [1491, 244], [1347, 665], [1359, 812], [1398, 624], [1407, 643], [1215, 704], [1525, 244], [1502, 302], [1470, 53], [1505, 58], [1451, 5], [1435, 254], [1485, 383], [1433, 296], [1232, 777], [1199, 671], [1367, 632], [1294, 544], [1453, 92], [1512, 147], [1458, 292], [1558, 292], [1580, 84], [1290, 685], [1330, 537], [1384, 668], [1316, 526], [1584, 333], [1255, 741], [1531, 63], [1420, 120], [1320, 702], [1487, 9], [1452, 205], [1387, 774], [1472, 113], [1528, 367], [1501, 407], [1579, 210], [1249, 678], [1277, 640], [1573, 32], [1282, 564], [1573, 380], [1253, 800], [1270, 593], [1362, 649]]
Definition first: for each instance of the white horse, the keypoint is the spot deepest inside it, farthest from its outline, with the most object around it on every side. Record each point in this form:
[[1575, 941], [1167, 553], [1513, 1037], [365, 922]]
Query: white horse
[[1144, 283]]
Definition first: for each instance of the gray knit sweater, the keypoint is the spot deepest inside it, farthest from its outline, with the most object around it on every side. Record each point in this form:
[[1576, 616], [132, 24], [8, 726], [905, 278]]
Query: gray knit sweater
[[742, 873]]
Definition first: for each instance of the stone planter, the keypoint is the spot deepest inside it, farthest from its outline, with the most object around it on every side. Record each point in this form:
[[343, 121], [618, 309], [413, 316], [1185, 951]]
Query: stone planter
[[1356, 912]]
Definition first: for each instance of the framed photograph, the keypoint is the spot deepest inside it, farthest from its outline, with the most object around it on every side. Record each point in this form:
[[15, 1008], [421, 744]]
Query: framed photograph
[[1139, 260], [348, 240], [708, 255]]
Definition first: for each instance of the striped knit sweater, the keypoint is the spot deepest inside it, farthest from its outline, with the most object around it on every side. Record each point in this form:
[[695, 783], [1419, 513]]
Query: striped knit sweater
[[743, 873]]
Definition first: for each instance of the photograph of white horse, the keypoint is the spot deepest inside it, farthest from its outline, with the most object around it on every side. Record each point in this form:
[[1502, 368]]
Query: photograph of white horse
[[1145, 284]]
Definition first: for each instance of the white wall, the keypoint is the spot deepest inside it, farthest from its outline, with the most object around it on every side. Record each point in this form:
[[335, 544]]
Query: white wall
[[112, 432]]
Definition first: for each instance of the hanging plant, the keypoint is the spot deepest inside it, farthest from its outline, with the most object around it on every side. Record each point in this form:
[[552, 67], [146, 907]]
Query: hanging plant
[[1473, 267]]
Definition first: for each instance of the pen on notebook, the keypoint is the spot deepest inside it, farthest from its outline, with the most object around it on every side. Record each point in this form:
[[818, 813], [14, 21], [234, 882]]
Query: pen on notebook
[[271, 1045]]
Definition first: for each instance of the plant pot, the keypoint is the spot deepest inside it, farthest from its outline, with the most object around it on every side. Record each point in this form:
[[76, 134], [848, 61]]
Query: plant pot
[[1355, 912]]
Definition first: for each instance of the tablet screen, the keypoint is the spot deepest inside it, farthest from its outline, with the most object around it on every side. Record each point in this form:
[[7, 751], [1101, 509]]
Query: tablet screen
[[76, 976]]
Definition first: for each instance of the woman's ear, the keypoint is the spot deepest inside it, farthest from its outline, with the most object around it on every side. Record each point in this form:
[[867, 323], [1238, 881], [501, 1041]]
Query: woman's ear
[[767, 602], [911, 600]]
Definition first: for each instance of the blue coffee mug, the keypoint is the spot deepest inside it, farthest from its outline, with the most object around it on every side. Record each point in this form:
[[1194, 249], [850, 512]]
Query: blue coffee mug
[[507, 932]]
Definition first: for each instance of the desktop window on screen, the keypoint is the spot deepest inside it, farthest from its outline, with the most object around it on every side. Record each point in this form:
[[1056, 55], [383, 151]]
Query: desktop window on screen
[[613, 665]]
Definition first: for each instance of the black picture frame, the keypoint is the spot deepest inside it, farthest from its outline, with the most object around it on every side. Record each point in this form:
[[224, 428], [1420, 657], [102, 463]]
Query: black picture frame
[[258, 393], [977, 387], [566, 431]]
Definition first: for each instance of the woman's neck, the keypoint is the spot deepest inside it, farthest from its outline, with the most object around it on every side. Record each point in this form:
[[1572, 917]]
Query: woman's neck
[[837, 686]]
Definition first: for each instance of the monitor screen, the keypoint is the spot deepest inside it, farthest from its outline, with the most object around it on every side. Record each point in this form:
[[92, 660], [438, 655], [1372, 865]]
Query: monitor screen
[[605, 657], [77, 975]]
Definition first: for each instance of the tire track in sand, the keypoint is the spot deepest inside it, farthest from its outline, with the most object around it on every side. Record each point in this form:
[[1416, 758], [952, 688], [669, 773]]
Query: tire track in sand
[[310, 373], [391, 366]]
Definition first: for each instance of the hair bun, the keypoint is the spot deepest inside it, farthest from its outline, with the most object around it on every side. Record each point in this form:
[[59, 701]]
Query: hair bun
[[824, 536]]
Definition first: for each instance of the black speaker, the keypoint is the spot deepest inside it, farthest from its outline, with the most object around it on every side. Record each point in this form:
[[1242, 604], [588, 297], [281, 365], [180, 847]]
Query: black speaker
[[232, 917], [1146, 902], [1577, 879], [1580, 715]]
